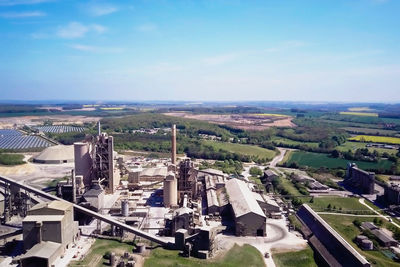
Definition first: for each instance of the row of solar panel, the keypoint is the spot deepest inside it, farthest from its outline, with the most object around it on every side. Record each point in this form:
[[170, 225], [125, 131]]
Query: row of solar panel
[[59, 129], [9, 132], [22, 142]]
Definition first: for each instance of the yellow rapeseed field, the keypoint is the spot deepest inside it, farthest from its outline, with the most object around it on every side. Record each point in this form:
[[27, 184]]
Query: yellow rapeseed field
[[376, 139]]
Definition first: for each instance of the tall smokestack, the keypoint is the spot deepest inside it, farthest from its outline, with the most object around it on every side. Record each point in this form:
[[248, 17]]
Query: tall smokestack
[[98, 129], [173, 146]]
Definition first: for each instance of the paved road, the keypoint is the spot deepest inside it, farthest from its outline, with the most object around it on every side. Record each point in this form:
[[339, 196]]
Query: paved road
[[278, 158], [362, 201]]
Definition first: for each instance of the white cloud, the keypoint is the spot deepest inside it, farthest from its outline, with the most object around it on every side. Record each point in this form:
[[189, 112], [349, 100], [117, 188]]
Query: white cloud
[[96, 49], [77, 30], [20, 15], [96, 9], [98, 28], [148, 27], [23, 2]]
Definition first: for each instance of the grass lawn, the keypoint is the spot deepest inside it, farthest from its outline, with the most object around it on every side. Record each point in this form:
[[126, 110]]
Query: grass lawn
[[346, 203], [317, 160], [11, 159], [302, 258], [376, 139], [98, 249], [286, 141], [345, 227], [243, 149], [355, 145], [239, 256]]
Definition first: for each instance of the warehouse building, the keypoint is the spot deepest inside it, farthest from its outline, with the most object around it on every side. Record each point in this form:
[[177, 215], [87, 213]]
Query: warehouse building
[[153, 174], [249, 218], [333, 250], [361, 180], [55, 155], [392, 194], [383, 238], [48, 230]]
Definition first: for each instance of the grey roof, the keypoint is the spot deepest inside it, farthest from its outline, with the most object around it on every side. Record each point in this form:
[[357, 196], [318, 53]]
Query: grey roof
[[212, 199], [43, 218], [55, 204], [241, 198], [45, 249], [269, 173], [335, 234], [369, 226], [383, 237], [93, 192]]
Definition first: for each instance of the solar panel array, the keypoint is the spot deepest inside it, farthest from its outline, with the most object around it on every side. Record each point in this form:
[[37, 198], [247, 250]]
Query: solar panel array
[[9, 132], [12, 139], [59, 129]]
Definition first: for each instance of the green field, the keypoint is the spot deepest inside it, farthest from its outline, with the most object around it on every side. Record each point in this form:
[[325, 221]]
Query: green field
[[243, 149], [368, 114], [361, 130], [345, 227], [286, 141], [356, 145], [302, 258], [346, 203], [98, 249], [376, 139], [237, 256], [318, 160]]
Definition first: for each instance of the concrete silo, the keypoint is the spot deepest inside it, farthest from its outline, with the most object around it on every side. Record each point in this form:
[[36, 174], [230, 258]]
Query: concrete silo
[[83, 162], [170, 190]]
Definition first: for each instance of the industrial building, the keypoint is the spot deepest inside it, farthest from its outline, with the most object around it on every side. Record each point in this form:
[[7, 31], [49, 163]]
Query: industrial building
[[392, 194], [95, 160], [362, 181], [384, 239], [249, 218], [332, 249], [48, 230], [55, 155], [153, 174]]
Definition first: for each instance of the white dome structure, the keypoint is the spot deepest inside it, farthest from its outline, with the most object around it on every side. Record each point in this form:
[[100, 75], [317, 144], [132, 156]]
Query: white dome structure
[[55, 155]]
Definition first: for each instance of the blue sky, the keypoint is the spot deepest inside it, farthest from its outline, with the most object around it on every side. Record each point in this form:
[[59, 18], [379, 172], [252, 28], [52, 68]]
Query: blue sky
[[200, 50]]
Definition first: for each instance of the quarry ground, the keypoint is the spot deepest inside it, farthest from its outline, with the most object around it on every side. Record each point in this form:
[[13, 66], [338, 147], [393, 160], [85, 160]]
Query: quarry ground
[[241, 121], [9, 122]]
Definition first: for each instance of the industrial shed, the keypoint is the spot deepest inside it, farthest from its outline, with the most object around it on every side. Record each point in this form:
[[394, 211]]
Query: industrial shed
[[55, 155], [249, 218]]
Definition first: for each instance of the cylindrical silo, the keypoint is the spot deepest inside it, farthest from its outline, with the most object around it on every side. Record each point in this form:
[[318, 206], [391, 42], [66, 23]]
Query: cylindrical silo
[[170, 190], [125, 208], [83, 161], [367, 244]]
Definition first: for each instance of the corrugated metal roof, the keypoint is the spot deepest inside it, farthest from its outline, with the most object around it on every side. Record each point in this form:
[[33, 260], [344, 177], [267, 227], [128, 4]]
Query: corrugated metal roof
[[241, 198]]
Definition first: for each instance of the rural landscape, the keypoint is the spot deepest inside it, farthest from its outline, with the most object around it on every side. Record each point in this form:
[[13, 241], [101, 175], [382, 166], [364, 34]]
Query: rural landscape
[[307, 157], [184, 133]]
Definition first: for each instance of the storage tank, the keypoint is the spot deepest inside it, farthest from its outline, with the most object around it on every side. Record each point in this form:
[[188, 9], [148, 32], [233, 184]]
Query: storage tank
[[83, 161], [125, 208], [360, 238], [367, 244], [170, 190]]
